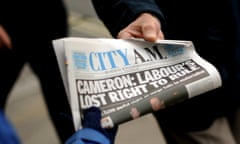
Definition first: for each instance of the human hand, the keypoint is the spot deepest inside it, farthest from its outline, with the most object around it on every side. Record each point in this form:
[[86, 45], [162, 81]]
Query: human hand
[[92, 132], [5, 40], [146, 26]]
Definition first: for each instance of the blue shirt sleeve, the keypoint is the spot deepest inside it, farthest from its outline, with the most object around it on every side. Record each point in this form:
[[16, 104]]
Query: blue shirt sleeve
[[88, 136], [8, 134]]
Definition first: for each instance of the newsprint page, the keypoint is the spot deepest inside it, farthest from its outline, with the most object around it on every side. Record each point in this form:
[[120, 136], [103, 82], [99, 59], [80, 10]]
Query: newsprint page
[[127, 78]]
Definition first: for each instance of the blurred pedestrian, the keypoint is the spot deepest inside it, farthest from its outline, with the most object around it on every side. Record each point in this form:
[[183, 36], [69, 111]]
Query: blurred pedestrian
[[27, 29], [214, 28]]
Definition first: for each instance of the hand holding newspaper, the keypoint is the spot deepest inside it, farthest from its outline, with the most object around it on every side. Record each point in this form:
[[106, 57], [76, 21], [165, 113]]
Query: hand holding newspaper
[[129, 78]]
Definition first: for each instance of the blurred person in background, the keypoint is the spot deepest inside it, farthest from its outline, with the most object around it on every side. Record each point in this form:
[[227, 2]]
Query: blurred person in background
[[27, 29], [214, 28]]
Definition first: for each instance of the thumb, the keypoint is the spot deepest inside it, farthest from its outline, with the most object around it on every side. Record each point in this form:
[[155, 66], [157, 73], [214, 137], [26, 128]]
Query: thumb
[[150, 33]]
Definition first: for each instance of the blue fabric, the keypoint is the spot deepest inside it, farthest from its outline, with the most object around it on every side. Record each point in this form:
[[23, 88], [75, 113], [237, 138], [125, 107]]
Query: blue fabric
[[88, 136], [7, 132], [92, 132]]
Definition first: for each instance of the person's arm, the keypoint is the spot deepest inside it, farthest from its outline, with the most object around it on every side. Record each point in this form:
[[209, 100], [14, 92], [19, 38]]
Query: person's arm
[[5, 40], [118, 14]]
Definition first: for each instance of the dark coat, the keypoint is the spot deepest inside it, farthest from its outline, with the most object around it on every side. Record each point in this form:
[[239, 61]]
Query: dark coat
[[33, 20], [214, 28], [32, 25]]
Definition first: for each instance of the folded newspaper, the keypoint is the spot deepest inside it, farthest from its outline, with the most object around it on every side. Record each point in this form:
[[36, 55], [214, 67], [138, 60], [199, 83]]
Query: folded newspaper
[[128, 78]]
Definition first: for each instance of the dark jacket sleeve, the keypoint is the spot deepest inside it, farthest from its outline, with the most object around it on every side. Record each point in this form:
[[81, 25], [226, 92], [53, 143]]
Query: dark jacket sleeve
[[117, 14]]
